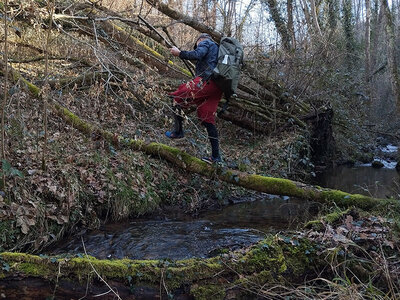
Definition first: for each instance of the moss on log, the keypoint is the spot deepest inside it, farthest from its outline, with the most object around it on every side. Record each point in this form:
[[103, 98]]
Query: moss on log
[[270, 185], [183, 160], [276, 186], [272, 260]]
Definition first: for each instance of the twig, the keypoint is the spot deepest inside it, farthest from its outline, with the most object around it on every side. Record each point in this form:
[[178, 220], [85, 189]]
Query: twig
[[56, 285], [87, 288], [95, 271]]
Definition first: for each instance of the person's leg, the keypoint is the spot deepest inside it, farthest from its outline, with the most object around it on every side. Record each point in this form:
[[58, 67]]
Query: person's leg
[[178, 120], [177, 131], [206, 112], [213, 137], [181, 99]]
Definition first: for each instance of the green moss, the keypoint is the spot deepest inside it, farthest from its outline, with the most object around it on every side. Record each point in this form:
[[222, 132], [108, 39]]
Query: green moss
[[139, 271], [207, 292], [315, 224], [279, 256], [276, 186], [274, 260], [75, 120], [28, 264], [336, 215], [34, 269], [328, 218], [242, 167]]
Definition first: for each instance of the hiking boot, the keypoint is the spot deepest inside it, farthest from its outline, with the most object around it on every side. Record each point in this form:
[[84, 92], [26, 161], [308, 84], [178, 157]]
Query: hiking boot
[[211, 160], [174, 134]]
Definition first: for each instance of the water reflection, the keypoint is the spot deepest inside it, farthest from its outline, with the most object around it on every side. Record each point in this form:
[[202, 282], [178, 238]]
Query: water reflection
[[232, 227]]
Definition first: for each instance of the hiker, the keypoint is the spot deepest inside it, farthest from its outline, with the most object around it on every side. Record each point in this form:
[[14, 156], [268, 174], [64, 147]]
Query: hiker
[[201, 92]]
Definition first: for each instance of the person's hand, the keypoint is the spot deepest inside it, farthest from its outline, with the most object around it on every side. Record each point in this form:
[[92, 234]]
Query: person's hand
[[175, 51]]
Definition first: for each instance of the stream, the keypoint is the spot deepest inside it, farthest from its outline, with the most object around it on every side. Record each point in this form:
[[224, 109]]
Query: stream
[[234, 226], [364, 179]]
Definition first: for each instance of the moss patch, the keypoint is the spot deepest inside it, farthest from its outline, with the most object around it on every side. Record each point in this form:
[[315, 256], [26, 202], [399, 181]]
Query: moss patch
[[207, 292]]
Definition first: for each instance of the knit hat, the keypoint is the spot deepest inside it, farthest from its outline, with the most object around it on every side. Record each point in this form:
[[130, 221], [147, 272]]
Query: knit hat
[[202, 36]]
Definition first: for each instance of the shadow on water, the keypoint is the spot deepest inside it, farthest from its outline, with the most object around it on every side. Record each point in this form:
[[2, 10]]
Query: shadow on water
[[232, 227]]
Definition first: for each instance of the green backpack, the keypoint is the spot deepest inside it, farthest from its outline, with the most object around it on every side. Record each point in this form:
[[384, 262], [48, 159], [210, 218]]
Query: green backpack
[[227, 72]]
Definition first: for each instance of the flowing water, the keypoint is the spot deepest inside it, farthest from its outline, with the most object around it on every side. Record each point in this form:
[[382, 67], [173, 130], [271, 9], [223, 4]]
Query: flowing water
[[364, 179], [233, 226]]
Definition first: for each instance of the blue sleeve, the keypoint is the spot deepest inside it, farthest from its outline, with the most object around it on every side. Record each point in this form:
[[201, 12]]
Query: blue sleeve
[[197, 54]]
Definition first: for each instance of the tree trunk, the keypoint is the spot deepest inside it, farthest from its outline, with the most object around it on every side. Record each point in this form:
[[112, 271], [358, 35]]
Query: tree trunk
[[279, 23], [391, 53], [376, 33], [165, 9], [368, 46], [307, 15], [348, 28], [332, 14], [315, 21], [290, 23], [5, 95]]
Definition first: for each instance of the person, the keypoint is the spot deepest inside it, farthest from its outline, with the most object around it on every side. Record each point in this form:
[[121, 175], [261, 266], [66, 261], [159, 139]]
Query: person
[[201, 92]]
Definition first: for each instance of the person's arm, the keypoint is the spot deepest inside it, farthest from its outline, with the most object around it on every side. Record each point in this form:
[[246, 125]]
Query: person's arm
[[198, 54]]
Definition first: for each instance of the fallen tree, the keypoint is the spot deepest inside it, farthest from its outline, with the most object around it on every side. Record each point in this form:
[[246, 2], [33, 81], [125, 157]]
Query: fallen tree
[[301, 265], [272, 89], [181, 159], [271, 261]]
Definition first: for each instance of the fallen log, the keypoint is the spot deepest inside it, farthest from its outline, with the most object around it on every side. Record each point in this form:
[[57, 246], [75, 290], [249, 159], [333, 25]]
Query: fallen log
[[260, 115], [176, 15], [181, 159], [270, 261]]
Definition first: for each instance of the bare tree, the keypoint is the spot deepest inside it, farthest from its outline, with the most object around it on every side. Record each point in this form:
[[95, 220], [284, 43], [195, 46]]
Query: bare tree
[[50, 7], [367, 43], [315, 22], [3, 106], [280, 24], [391, 52], [332, 14], [290, 23], [348, 28]]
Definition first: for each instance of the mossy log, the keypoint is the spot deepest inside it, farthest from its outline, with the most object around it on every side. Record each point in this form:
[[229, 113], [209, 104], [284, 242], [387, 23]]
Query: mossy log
[[270, 185], [277, 259], [123, 37], [183, 160]]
